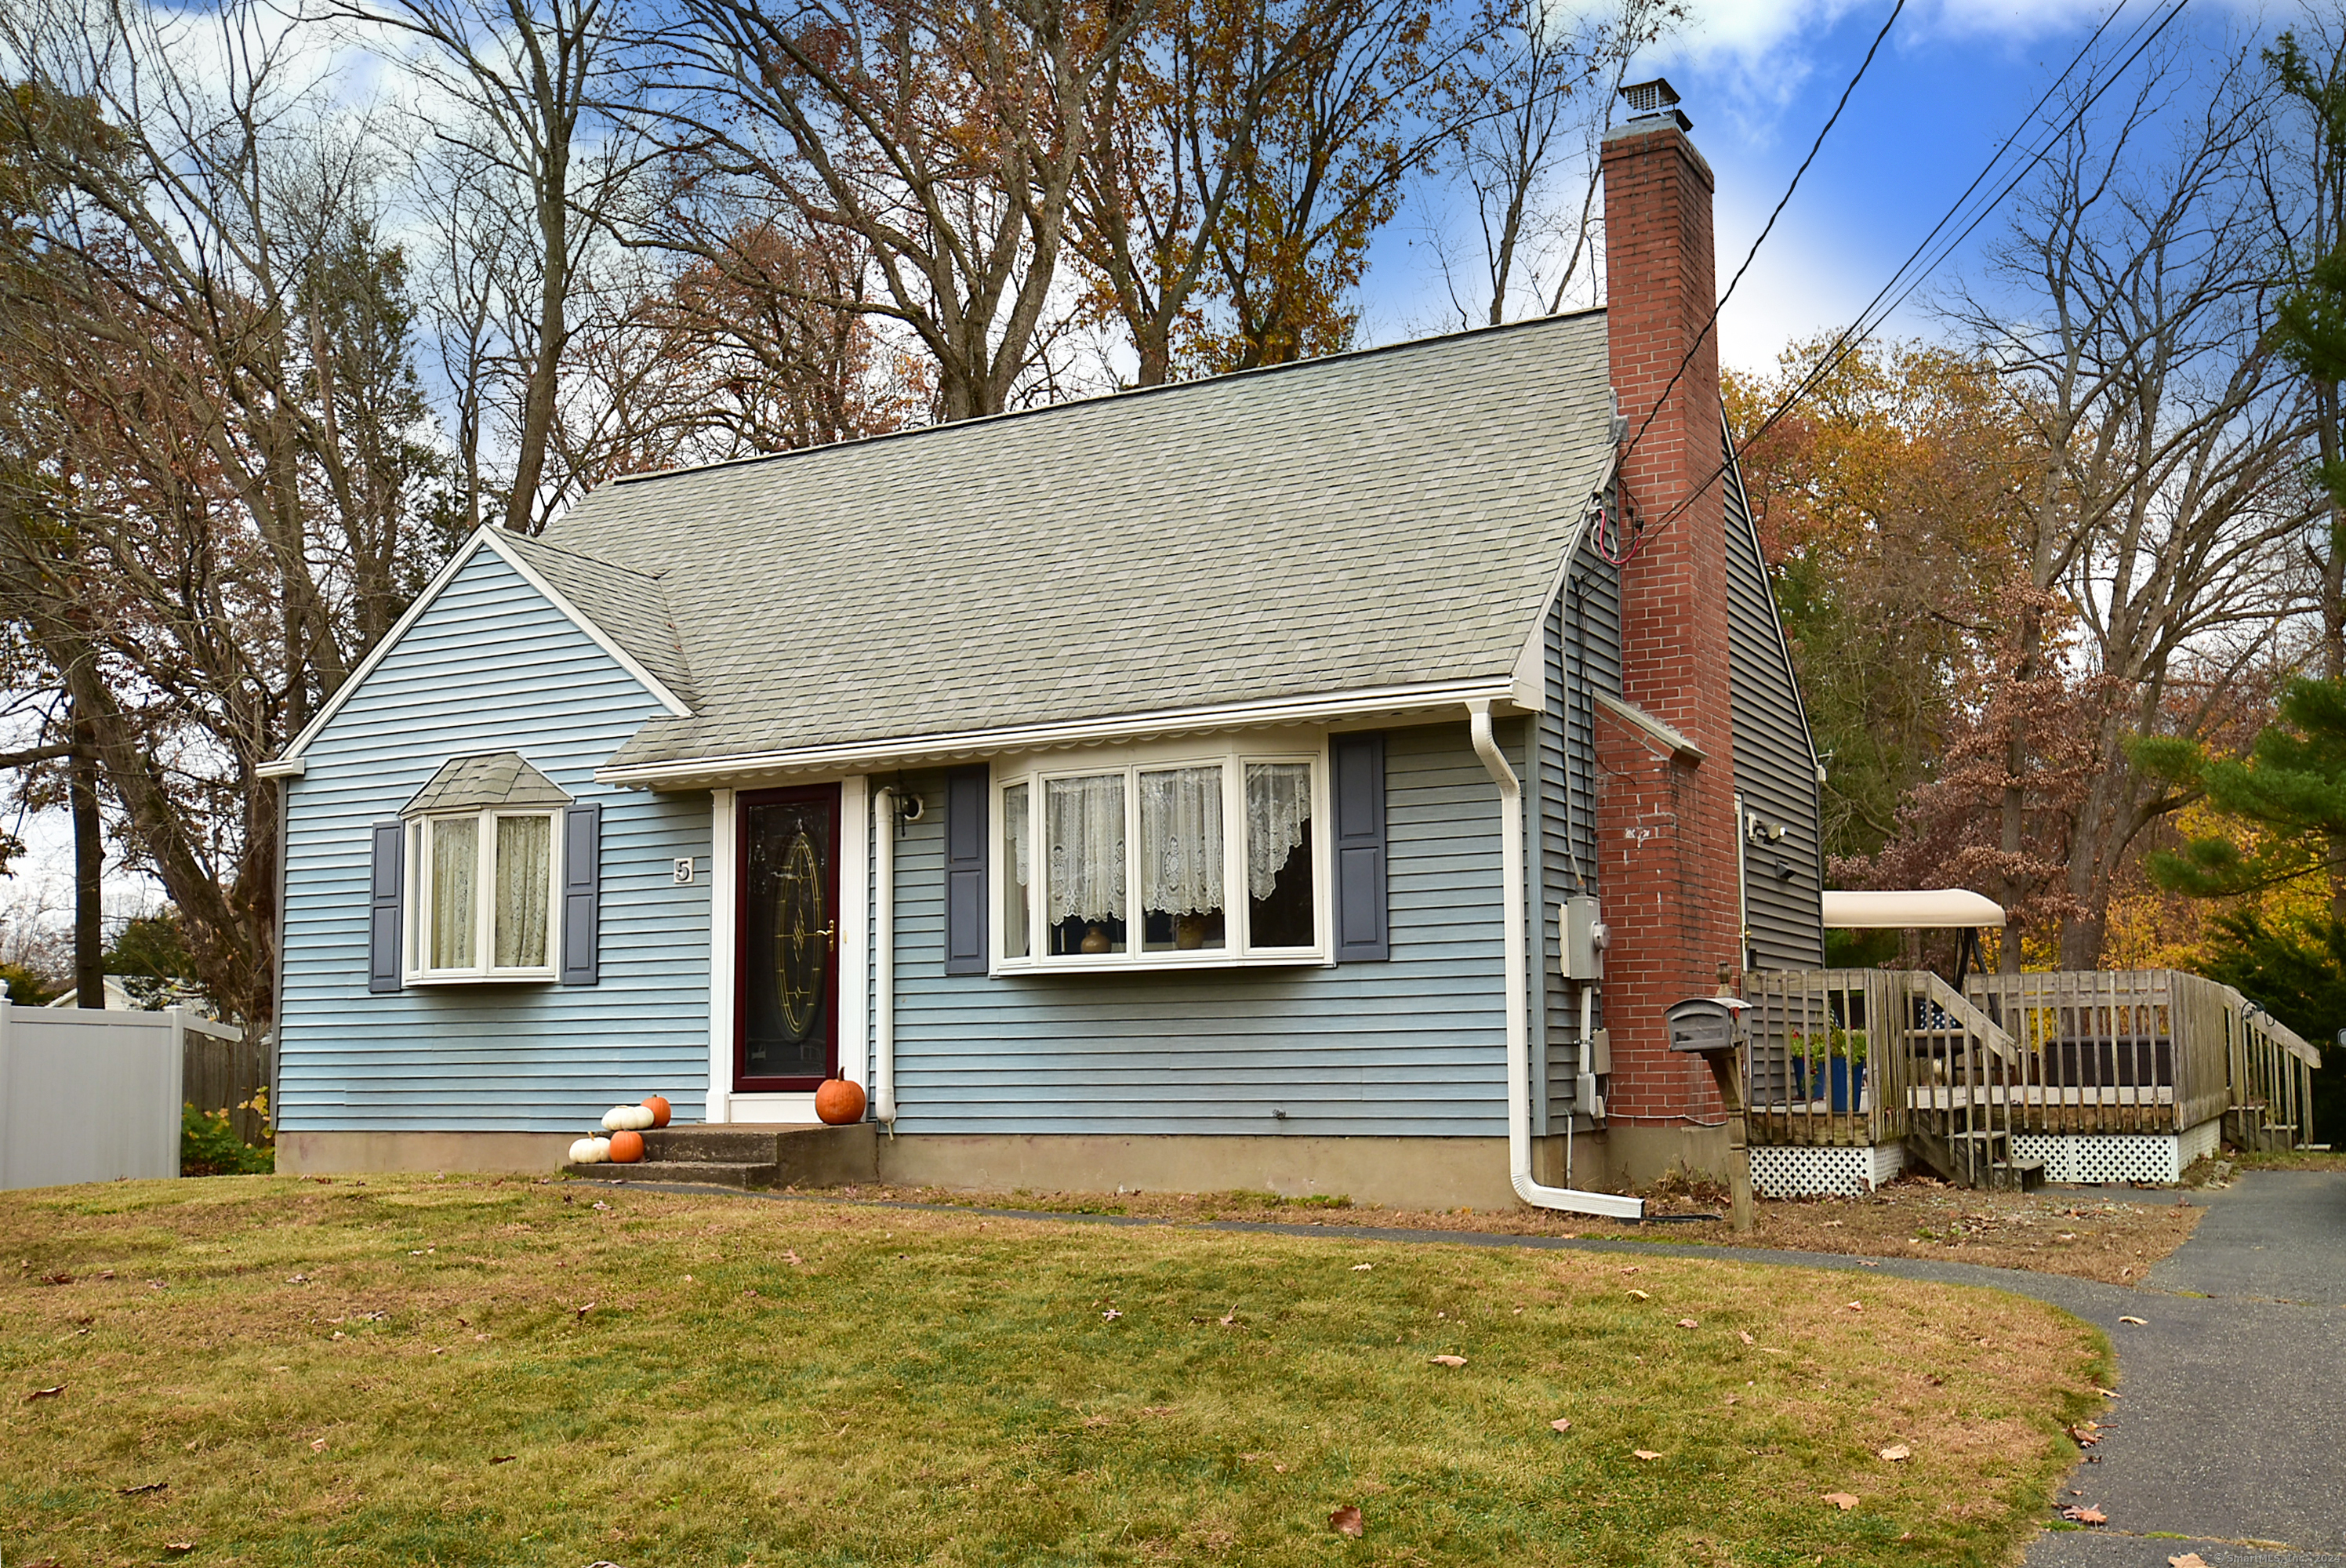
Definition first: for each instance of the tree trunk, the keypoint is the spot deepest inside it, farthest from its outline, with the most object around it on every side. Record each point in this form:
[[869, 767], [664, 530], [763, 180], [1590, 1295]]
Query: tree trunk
[[89, 868]]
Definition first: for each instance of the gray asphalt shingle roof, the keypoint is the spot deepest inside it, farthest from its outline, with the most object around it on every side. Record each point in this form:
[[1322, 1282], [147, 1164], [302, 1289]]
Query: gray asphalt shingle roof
[[1380, 519], [499, 778]]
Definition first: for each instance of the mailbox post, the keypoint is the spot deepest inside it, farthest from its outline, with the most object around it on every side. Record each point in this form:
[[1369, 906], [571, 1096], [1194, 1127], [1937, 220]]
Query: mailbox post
[[1711, 1027]]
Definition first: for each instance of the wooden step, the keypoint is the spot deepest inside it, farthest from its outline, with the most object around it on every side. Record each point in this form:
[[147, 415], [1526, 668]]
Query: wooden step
[[705, 1173]]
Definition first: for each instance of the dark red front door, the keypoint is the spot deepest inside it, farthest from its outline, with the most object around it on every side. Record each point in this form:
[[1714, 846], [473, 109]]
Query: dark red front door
[[787, 986]]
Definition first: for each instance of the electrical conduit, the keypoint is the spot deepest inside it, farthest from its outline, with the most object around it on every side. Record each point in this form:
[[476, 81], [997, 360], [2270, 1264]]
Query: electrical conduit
[[1518, 988]]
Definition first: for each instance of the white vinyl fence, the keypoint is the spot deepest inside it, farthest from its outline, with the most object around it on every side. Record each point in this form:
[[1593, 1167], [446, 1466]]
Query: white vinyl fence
[[88, 1095]]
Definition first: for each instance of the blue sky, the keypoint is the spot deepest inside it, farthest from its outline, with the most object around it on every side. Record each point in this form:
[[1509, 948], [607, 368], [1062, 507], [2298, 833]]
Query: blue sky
[[1759, 78]]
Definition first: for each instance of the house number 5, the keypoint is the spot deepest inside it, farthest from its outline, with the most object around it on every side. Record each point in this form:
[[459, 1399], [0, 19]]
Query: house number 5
[[683, 870]]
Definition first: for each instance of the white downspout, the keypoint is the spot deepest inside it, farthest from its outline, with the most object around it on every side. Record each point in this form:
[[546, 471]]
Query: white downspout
[[1518, 986], [883, 962]]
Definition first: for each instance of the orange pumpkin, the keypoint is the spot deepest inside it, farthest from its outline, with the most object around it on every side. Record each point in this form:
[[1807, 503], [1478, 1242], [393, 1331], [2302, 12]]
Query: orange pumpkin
[[840, 1101], [627, 1146], [660, 1109]]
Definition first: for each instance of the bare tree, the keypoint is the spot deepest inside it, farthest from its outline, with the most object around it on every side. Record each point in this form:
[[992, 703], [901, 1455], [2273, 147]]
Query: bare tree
[[941, 136], [1532, 124], [216, 496], [2172, 478], [540, 154]]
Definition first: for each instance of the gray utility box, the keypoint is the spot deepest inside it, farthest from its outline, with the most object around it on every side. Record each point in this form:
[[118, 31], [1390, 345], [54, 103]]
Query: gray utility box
[[1706, 1024], [1584, 938]]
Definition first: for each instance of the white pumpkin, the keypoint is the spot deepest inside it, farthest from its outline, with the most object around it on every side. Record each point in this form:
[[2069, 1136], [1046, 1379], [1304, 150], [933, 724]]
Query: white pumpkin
[[602, 1151], [617, 1118], [642, 1119], [582, 1153]]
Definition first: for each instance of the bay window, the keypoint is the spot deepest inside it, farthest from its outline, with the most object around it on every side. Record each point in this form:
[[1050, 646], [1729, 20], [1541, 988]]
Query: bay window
[[1161, 858], [486, 881]]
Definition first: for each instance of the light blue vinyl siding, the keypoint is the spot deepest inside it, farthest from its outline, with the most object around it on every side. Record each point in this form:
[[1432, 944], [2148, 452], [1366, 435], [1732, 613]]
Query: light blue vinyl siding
[[1775, 761], [1583, 640], [1415, 1044], [491, 665]]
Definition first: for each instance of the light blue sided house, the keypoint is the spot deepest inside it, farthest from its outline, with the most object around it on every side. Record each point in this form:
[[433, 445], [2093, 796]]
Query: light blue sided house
[[1179, 789]]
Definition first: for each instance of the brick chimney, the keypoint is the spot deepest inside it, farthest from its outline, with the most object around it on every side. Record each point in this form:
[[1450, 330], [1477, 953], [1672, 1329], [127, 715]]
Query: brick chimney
[[1666, 812]]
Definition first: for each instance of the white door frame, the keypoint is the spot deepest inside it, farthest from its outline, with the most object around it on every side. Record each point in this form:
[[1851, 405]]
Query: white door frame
[[853, 954]]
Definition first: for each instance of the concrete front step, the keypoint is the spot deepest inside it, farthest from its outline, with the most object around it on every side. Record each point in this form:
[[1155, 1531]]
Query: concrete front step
[[750, 1156], [708, 1173]]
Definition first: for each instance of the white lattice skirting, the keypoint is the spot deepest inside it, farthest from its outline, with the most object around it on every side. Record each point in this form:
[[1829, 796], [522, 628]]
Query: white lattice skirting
[[1811, 1172], [2086, 1158]]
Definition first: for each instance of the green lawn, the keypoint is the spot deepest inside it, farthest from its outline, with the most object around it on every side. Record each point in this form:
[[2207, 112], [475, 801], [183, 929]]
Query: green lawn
[[410, 1371]]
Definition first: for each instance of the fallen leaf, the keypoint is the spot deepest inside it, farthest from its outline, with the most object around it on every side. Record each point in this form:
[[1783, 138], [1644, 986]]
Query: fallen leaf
[[584, 1310], [1841, 1501], [2188, 1559], [1867, 1263], [1631, 1269], [2085, 1435], [44, 1393], [1346, 1521], [1897, 1451], [1111, 1315], [1644, 1453], [1857, 1307], [1688, 1323], [599, 1204], [1357, 1268], [1642, 1295], [790, 1257], [318, 1445], [1449, 1361], [505, 1459], [1229, 1319], [1560, 1424], [178, 1548], [2138, 1322], [2077, 1515], [2109, 1393], [1745, 1338], [297, 1279], [150, 1486]]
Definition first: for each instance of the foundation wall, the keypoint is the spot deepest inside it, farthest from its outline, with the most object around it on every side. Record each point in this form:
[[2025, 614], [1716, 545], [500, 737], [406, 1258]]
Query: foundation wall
[[492, 1154]]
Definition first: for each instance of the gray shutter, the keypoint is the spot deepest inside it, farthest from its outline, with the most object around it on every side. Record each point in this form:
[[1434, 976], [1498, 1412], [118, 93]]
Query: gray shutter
[[383, 906], [1359, 762], [582, 893], [967, 839]]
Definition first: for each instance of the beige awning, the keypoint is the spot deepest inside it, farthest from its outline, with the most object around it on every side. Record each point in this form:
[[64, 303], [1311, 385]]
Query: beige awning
[[1913, 909]]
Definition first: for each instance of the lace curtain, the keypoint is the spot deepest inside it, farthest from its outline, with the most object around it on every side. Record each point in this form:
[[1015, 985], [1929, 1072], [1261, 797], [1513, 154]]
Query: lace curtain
[[1279, 814], [1083, 825], [1181, 840], [523, 890], [456, 860]]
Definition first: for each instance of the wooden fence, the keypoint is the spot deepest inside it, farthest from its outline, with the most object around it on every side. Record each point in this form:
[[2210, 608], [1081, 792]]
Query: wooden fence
[[224, 1071]]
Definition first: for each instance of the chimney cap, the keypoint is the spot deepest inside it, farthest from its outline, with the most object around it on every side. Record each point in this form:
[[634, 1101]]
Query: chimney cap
[[1656, 100]]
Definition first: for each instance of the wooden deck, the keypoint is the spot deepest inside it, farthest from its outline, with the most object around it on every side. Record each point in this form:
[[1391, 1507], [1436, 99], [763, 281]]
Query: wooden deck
[[1851, 1056]]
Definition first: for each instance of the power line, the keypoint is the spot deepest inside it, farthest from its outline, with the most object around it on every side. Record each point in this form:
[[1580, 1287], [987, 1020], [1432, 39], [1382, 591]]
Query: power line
[[1768, 228], [1868, 321]]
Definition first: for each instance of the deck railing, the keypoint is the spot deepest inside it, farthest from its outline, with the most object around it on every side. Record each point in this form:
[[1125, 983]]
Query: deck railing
[[1848, 1056]]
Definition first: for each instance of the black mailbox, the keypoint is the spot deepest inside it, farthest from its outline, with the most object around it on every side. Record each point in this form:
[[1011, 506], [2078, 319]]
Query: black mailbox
[[1706, 1024]]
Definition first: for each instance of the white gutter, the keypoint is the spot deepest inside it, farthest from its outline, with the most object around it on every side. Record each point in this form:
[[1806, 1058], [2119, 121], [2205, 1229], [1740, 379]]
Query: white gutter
[[883, 963], [1518, 986], [874, 755]]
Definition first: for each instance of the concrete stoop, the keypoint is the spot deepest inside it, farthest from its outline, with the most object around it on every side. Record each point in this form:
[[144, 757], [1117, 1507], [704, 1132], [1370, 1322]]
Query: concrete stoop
[[792, 1155]]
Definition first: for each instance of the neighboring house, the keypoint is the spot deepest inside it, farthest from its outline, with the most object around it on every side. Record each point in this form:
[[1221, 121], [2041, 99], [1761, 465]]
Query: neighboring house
[[1125, 791], [118, 997]]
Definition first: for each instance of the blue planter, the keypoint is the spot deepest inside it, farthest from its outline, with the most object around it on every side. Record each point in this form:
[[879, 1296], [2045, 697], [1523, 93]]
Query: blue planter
[[1841, 1082]]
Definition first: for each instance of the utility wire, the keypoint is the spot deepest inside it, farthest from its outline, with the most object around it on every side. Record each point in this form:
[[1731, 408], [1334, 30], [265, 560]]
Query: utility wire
[[1768, 228], [1870, 320]]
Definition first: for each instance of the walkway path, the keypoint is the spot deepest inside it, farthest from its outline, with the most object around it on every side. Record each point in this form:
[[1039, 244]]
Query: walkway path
[[2229, 1440]]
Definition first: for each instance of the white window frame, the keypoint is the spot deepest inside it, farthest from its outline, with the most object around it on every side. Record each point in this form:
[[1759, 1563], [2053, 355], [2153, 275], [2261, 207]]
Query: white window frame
[[1037, 769], [415, 935]]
